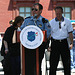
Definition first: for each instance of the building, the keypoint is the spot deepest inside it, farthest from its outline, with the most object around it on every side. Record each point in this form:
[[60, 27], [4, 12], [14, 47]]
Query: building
[[9, 9]]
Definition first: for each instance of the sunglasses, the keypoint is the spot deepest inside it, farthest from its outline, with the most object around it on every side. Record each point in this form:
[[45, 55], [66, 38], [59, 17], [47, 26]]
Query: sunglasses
[[34, 9], [60, 25]]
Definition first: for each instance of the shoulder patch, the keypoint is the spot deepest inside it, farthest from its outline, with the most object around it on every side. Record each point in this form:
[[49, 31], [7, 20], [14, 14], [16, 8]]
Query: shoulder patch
[[28, 17], [44, 20]]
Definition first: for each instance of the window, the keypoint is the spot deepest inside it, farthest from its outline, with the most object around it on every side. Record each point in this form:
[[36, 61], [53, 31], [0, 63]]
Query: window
[[67, 12], [25, 11]]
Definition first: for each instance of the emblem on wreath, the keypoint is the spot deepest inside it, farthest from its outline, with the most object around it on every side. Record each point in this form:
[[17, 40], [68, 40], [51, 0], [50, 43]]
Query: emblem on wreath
[[31, 36]]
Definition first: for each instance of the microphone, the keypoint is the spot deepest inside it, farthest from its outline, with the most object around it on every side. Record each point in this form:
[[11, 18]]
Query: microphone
[[35, 16]]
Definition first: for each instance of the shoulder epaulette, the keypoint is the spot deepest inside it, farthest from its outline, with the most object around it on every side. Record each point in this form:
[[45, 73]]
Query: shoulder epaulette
[[28, 17], [44, 20]]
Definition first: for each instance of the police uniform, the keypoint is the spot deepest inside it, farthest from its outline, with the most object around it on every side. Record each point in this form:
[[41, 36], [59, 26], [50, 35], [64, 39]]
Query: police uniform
[[41, 22], [30, 63], [59, 45]]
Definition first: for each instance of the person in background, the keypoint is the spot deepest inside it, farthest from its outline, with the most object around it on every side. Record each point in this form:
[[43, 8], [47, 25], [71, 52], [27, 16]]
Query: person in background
[[37, 20], [73, 52], [60, 29], [12, 48]]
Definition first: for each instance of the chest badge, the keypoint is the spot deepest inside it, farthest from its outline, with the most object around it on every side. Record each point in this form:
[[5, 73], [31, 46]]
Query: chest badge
[[28, 23], [40, 25]]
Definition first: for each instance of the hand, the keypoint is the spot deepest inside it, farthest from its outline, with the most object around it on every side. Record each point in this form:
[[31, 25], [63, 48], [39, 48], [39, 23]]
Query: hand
[[71, 45], [6, 51], [49, 49]]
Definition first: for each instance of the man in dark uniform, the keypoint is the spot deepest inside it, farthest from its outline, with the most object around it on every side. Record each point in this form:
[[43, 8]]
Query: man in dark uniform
[[60, 29], [43, 24]]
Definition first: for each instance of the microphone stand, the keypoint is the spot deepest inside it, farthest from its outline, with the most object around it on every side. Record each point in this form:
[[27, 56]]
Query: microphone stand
[[37, 49], [35, 22], [35, 16]]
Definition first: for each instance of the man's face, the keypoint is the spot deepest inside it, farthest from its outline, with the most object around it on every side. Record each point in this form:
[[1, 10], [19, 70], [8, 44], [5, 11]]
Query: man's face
[[35, 10], [58, 14]]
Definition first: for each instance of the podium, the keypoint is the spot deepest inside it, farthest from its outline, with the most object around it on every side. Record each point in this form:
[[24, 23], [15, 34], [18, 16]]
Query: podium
[[22, 51]]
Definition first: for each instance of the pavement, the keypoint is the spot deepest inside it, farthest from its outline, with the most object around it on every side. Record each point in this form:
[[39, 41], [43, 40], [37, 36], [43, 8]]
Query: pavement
[[1, 69], [59, 71], [62, 73]]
